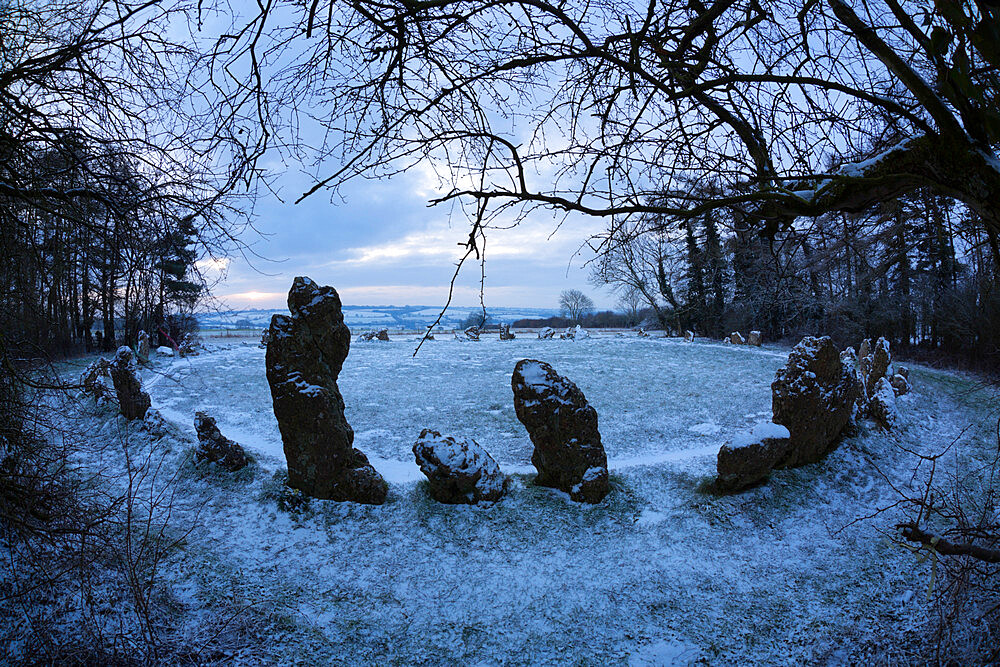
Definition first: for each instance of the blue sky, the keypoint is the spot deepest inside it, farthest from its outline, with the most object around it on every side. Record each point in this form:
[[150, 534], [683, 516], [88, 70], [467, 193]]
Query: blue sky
[[378, 242]]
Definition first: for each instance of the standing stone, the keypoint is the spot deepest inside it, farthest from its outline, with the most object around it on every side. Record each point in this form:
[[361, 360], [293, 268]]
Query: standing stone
[[754, 339], [188, 345], [882, 405], [92, 376], [304, 358], [813, 396], [900, 385], [879, 366], [132, 400], [900, 381], [849, 358], [688, 336], [472, 333], [216, 448], [642, 333], [144, 346], [375, 334], [546, 333], [265, 336], [505, 333], [736, 338], [563, 427], [458, 470]]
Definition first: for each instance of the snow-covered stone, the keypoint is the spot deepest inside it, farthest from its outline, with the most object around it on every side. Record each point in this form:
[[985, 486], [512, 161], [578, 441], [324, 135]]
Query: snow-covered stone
[[882, 405], [642, 333], [505, 333], [458, 470], [216, 448], [813, 396], [900, 381], [265, 336], [754, 338], [303, 360], [189, 345], [749, 457], [165, 351], [374, 334], [736, 338], [879, 366], [547, 332], [132, 400], [568, 452], [472, 333], [688, 336], [93, 376], [579, 333], [144, 347]]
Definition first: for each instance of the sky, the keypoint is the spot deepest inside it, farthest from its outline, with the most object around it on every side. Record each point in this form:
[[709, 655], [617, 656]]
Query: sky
[[379, 243]]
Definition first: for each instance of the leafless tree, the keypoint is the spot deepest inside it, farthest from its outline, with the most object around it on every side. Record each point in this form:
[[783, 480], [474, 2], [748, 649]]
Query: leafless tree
[[574, 304], [788, 108]]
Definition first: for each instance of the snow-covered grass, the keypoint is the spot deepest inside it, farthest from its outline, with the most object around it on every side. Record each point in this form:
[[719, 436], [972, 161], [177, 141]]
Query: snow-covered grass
[[661, 572]]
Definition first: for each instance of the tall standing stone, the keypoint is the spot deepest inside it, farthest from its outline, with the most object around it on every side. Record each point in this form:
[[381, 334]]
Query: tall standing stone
[[813, 396], [304, 357], [144, 347], [563, 427], [132, 400]]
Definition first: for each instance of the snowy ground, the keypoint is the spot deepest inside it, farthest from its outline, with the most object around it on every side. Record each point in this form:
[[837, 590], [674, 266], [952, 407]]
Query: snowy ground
[[659, 573]]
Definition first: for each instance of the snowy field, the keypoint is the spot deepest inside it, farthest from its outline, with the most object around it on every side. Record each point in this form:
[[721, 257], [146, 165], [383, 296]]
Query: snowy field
[[659, 573]]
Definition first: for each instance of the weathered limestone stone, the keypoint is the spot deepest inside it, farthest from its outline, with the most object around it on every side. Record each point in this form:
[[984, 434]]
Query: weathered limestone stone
[[144, 346], [188, 345], [92, 376], [736, 338], [132, 400], [900, 381], [865, 349], [849, 358], [688, 336], [547, 332], [754, 339], [165, 351], [749, 458], [265, 336], [375, 334], [881, 358], [642, 333], [563, 427], [216, 448], [304, 358], [472, 333], [505, 333], [813, 396], [882, 405], [458, 470]]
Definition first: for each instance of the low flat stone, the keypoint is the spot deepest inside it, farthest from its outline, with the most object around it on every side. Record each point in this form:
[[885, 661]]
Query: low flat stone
[[458, 470], [749, 458]]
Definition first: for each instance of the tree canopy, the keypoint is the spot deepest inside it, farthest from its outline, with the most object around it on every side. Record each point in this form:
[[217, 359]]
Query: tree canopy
[[672, 107]]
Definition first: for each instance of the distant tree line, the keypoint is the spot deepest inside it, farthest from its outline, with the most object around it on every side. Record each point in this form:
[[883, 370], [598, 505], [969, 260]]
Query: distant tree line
[[913, 270]]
